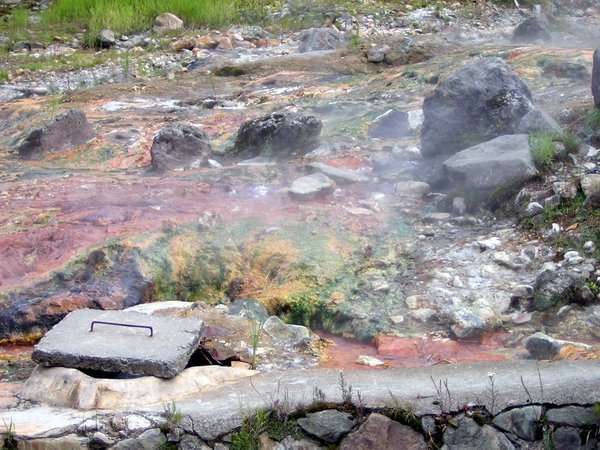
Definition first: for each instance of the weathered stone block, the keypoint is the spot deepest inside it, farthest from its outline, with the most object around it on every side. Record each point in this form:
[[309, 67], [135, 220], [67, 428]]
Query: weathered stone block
[[117, 349]]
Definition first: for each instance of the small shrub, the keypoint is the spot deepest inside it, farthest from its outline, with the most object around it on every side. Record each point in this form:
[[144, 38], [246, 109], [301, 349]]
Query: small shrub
[[543, 149], [593, 119], [172, 413], [10, 443], [256, 329]]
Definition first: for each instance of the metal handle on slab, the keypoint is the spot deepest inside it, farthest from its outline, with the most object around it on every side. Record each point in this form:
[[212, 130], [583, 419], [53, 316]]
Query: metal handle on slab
[[122, 325]]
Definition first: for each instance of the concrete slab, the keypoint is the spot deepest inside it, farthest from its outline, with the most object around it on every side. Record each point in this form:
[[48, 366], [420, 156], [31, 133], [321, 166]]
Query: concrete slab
[[159, 346]]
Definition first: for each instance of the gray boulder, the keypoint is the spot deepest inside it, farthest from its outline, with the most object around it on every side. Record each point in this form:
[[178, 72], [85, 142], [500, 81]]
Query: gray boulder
[[324, 38], [530, 30], [572, 415], [67, 131], [148, 440], [522, 422], [179, 146], [555, 287], [566, 438], [537, 120], [390, 125], [312, 186], [280, 133], [596, 78], [167, 21], [249, 308], [542, 346], [479, 102], [465, 434], [105, 38], [329, 425], [284, 333], [381, 433], [486, 168]]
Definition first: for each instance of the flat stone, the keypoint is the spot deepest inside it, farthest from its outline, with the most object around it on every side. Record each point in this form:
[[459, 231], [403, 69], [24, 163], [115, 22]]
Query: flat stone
[[69, 441], [47, 386], [522, 422], [117, 349], [574, 416], [312, 186], [150, 439], [337, 174], [329, 425], [381, 433]]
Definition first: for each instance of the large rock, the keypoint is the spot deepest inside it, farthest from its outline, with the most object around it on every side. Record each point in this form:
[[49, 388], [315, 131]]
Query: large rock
[[530, 30], [556, 286], [572, 415], [538, 121], [281, 133], [179, 146], [149, 345], [167, 21], [312, 186], [479, 102], [542, 346], [590, 185], [465, 434], [105, 38], [596, 78], [329, 425], [484, 169], [66, 131], [381, 433], [392, 124], [325, 38], [148, 440]]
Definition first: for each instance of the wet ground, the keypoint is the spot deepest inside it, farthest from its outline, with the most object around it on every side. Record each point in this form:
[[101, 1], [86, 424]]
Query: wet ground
[[56, 210]]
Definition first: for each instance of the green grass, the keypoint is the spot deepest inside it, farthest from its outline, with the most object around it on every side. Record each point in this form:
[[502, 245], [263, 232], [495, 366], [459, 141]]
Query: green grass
[[542, 147], [127, 16], [3, 75], [593, 119], [543, 150]]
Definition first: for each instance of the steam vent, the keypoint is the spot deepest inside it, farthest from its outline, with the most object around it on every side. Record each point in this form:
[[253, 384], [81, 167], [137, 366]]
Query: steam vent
[[120, 342]]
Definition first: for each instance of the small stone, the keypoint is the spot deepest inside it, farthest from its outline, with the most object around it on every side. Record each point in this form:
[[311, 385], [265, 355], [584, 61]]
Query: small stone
[[224, 43], [415, 189], [377, 54], [589, 247], [396, 320], [570, 254], [369, 361], [105, 38], [167, 21], [492, 243], [100, 441], [312, 186], [459, 206], [533, 209]]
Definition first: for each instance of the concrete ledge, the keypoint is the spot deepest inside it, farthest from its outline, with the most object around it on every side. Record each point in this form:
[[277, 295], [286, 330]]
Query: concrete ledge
[[59, 386]]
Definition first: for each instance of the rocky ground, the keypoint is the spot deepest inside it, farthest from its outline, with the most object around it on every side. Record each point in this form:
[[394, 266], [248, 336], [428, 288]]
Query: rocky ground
[[374, 245]]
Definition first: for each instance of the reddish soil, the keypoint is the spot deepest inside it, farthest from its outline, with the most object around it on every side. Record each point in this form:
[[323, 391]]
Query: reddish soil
[[408, 352]]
